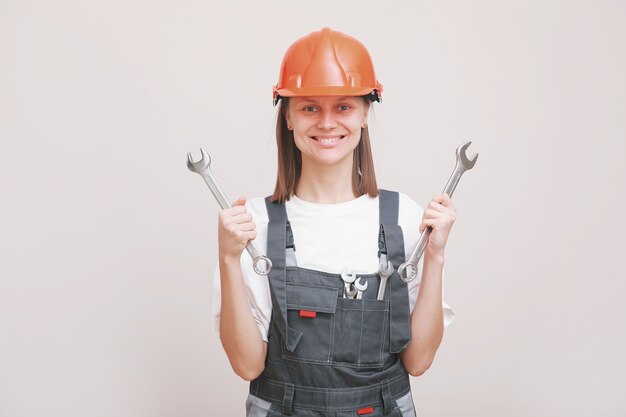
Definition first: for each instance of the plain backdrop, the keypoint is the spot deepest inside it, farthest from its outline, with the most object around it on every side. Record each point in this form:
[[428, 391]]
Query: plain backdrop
[[108, 243]]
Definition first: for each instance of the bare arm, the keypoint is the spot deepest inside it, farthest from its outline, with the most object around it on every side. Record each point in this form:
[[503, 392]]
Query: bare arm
[[427, 315], [426, 319], [240, 336]]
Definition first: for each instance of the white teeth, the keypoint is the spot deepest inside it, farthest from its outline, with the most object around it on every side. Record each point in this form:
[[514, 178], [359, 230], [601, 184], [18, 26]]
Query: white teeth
[[329, 140]]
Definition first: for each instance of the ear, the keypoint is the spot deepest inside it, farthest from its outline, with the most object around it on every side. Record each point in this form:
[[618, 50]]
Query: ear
[[366, 112], [287, 117]]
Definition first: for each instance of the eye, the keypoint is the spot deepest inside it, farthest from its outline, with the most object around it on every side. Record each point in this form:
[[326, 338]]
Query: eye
[[344, 107], [309, 108]]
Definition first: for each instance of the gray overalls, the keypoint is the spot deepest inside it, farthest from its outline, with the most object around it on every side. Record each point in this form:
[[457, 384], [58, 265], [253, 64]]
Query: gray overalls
[[328, 355]]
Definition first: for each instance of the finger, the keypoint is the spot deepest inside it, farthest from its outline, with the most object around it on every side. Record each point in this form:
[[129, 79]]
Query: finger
[[426, 223], [434, 213], [443, 206], [240, 201], [439, 211], [437, 207], [448, 201], [242, 217], [430, 222], [235, 210], [246, 236], [444, 199], [247, 226], [430, 213]]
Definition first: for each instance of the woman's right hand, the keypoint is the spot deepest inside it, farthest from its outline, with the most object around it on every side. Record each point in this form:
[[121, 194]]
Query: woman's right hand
[[235, 229], [239, 333]]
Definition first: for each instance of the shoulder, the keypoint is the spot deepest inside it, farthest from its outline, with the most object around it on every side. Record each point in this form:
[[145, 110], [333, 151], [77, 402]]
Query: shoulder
[[256, 207], [410, 212], [408, 205]]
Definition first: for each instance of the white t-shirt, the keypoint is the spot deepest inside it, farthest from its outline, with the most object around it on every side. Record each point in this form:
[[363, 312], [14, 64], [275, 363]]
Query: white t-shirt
[[329, 238]]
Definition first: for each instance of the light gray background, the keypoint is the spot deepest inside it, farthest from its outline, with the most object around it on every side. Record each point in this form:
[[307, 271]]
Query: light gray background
[[108, 242]]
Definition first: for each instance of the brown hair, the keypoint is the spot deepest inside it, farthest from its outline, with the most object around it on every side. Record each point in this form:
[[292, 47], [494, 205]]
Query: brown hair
[[290, 161]]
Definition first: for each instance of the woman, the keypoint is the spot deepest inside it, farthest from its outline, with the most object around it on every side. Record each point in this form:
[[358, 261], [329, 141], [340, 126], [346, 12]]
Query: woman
[[328, 343]]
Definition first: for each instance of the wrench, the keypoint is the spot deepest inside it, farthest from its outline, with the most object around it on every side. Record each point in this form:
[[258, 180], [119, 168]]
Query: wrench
[[360, 288], [347, 280], [408, 270], [385, 270], [261, 263]]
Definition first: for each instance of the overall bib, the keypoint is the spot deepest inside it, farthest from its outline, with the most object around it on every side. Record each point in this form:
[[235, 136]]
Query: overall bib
[[330, 356]]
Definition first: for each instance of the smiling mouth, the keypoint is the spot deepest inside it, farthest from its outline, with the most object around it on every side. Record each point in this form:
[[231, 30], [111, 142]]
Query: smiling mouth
[[327, 140]]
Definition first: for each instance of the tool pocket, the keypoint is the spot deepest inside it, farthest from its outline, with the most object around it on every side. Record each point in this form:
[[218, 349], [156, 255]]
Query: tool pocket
[[311, 310], [359, 332]]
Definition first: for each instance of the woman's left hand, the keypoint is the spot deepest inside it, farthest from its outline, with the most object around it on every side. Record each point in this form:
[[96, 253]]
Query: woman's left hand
[[440, 215]]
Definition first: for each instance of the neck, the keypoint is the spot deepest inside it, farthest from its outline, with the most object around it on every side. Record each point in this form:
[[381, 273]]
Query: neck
[[326, 184]]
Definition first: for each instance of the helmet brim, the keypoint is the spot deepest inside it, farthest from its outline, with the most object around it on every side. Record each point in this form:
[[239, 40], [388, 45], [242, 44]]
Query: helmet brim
[[324, 91], [373, 94]]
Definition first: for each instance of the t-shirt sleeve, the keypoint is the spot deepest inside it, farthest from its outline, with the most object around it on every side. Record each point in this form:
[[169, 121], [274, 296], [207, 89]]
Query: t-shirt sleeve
[[257, 286], [410, 217]]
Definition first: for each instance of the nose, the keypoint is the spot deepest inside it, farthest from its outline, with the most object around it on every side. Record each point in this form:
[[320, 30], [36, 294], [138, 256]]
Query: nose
[[326, 120]]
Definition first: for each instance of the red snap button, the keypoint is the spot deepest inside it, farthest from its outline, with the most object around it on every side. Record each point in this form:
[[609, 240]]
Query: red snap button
[[365, 410], [308, 313]]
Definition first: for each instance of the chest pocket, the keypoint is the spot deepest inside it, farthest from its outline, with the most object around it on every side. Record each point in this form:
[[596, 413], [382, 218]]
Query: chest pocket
[[359, 332], [336, 330], [311, 310]]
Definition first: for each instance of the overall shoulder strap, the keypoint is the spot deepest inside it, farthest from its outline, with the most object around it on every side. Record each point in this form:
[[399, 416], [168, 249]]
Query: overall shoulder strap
[[275, 211], [391, 242], [276, 245]]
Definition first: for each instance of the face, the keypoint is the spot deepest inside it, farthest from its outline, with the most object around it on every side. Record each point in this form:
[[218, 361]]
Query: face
[[327, 129]]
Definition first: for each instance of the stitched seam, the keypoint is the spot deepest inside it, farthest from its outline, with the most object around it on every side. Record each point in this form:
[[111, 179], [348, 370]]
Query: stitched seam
[[360, 340], [373, 388], [331, 348]]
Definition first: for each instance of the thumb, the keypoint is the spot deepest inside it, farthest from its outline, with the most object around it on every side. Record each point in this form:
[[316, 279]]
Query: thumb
[[240, 201]]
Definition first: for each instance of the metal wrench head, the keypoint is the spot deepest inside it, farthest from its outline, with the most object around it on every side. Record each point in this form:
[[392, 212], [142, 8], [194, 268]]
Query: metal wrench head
[[385, 268], [346, 277], [461, 156], [407, 272], [360, 287], [349, 292], [201, 165]]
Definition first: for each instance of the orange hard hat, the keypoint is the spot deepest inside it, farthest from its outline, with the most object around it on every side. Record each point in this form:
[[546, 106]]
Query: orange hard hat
[[327, 63]]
